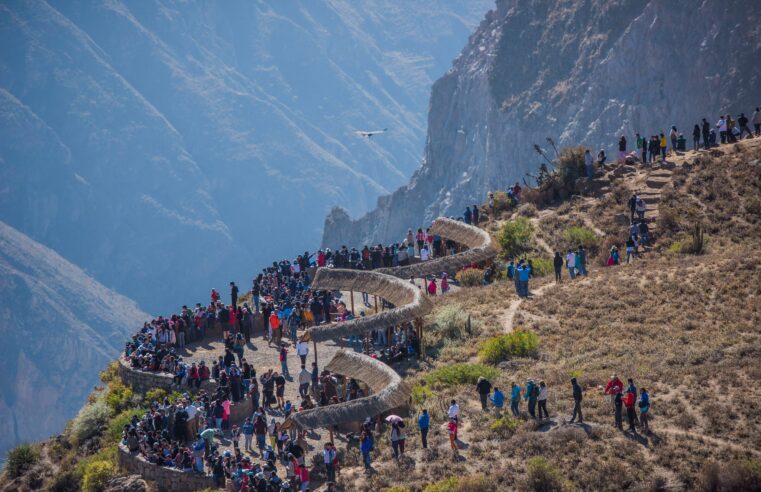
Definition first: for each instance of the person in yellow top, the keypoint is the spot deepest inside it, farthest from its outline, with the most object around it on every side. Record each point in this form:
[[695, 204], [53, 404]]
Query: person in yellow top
[[663, 144]]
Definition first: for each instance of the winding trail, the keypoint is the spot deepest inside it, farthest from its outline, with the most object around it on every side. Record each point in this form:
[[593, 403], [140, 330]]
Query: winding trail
[[508, 315]]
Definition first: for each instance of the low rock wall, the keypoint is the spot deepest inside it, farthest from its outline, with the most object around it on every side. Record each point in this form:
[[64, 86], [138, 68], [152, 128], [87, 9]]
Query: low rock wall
[[166, 479]]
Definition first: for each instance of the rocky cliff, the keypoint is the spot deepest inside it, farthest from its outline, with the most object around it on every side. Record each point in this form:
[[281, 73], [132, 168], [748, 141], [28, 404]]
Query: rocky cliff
[[59, 329], [581, 72]]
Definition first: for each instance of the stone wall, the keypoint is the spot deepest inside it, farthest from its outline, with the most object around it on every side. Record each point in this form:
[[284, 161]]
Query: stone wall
[[166, 479]]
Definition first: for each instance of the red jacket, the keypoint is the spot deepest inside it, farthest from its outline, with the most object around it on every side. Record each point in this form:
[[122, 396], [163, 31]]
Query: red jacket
[[614, 386], [630, 399]]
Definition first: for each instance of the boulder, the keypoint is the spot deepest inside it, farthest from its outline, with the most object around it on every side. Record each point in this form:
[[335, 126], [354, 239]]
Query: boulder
[[130, 483]]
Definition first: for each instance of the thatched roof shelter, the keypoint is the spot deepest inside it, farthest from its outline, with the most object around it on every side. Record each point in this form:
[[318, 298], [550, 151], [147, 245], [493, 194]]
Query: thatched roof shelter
[[409, 300], [478, 241], [388, 392]]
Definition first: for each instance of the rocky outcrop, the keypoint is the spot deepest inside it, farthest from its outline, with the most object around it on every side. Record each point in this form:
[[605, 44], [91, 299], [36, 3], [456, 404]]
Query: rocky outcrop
[[581, 72], [130, 483]]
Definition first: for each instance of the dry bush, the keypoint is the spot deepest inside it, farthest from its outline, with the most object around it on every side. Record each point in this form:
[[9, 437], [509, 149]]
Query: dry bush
[[472, 277]]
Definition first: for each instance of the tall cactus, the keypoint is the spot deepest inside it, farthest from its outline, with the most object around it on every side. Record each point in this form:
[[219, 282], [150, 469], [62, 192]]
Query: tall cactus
[[698, 241]]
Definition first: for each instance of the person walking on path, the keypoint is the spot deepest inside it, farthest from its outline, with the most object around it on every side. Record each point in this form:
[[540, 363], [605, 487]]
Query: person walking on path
[[743, 122], [622, 148], [570, 263], [696, 138], [629, 400], [233, 295], [577, 397], [532, 392], [663, 146], [453, 413], [582, 260], [542, 400], [365, 446], [706, 131], [642, 147], [329, 458], [644, 409], [617, 408], [397, 438], [722, 126], [452, 430], [757, 122], [498, 399], [589, 164], [558, 264], [424, 423], [614, 386], [523, 276], [305, 377], [483, 386], [302, 350], [284, 360], [515, 400]]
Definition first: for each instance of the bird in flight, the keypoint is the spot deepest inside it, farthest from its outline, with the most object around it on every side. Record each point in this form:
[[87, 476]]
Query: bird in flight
[[367, 134]]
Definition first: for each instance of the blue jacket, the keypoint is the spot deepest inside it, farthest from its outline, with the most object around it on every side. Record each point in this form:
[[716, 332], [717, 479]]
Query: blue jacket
[[515, 395], [366, 445], [248, 429], [523, 273], [644, 402], [424, 421], [529, 391], [498, 399]]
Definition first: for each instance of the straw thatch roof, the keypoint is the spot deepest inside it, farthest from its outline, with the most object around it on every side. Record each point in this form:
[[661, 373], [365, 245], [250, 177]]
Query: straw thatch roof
[[477, 240], [388, 392], [410, 301]]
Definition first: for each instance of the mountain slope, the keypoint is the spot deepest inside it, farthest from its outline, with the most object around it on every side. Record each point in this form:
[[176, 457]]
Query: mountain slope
[[178, 136], [59, 328], [581, 72]]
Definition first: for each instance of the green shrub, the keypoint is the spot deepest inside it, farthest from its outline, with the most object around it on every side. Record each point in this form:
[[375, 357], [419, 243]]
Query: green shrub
[[90, 419], [451, 321], [542, 266], [105, 454], [505, 426], [520, 343], [675, 248], [569, 166], [514, 236], [542, 476], [96, 475], [472, 277], [502, 202], [116, 425], [119, 396], [111, 373], [20, 459], [462, 373], [462, 484], [575, 236], [420, 394], [156, 394]]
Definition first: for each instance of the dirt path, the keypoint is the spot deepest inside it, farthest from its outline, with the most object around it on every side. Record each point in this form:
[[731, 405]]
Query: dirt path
[[508, 315]]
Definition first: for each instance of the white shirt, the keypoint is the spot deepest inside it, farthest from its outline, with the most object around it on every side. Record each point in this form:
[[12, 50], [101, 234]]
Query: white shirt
[[722, 124], [454, 411], [302, 348], [191, 409], [570, 260], [424, 254], [542, 393]]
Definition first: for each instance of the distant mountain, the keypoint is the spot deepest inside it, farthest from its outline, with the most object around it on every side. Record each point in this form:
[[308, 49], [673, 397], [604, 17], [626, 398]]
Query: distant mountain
[[581, 72], [59, 329], [170, 146]]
